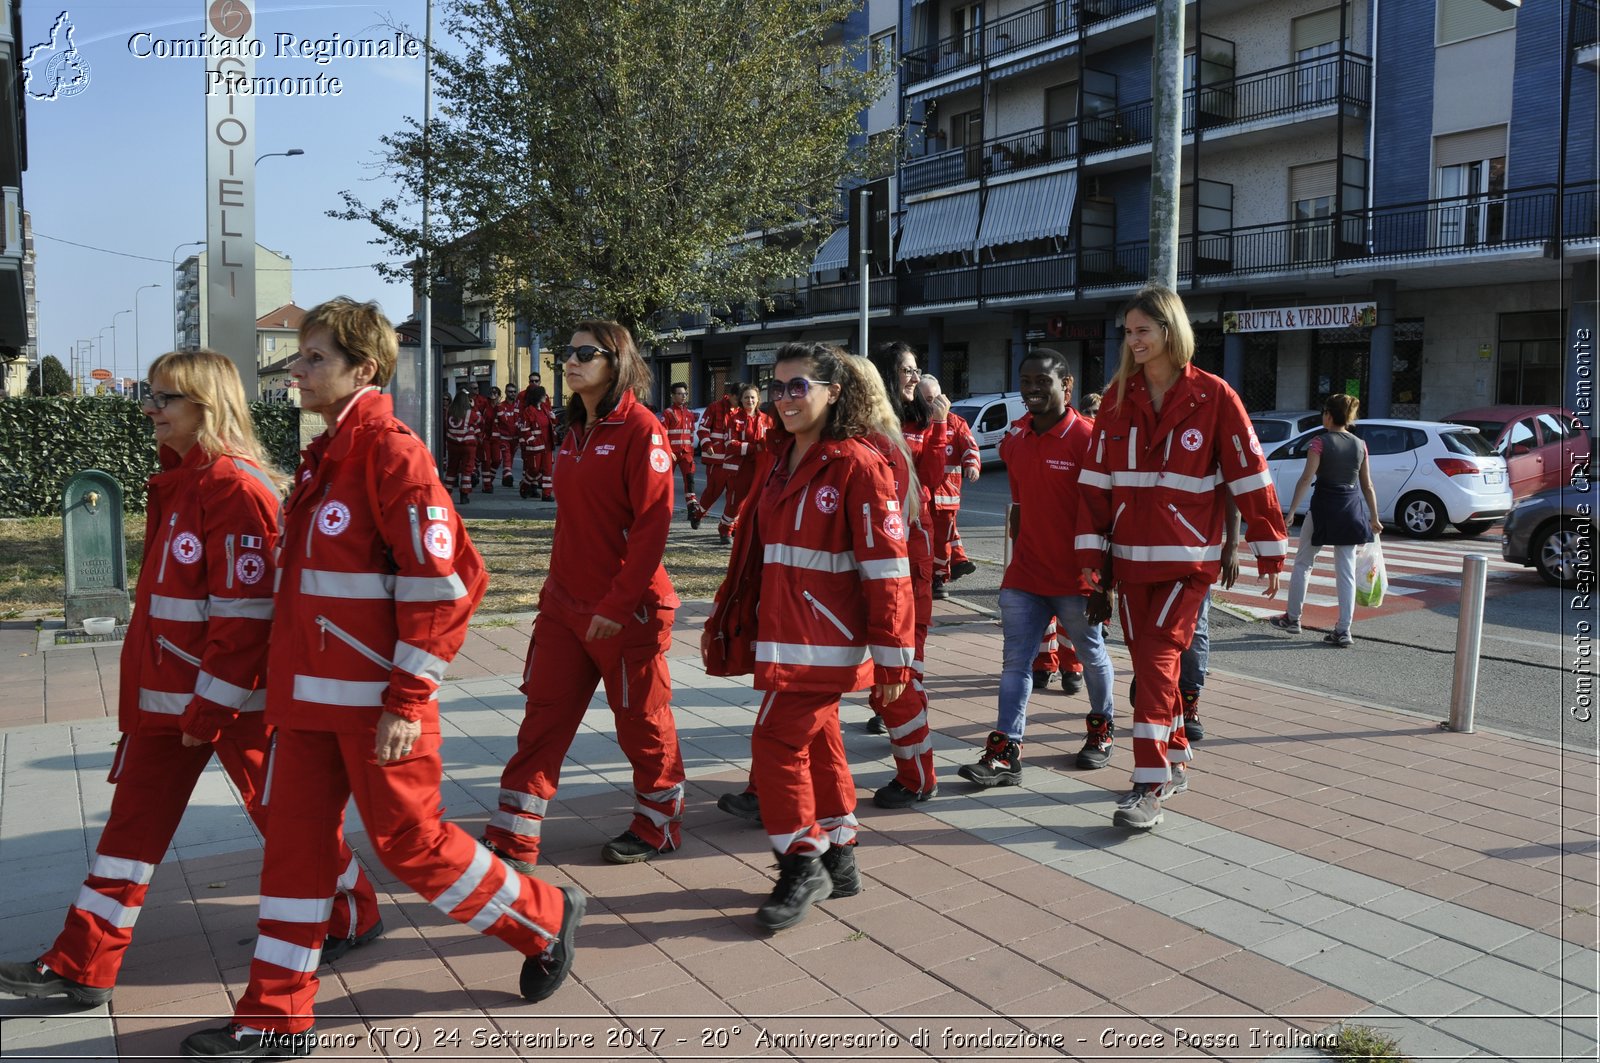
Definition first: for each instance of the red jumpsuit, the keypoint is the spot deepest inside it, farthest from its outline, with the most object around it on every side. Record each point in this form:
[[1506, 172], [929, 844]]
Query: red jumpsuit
[[835, 615], [506, 430], [377, 580], [960, 454], [536, 436], [462, 435], [680, 425], [614, 487], [1055, 655], [485, 407], [747, 436], [713, 435], [193, 663], [1165, 468]]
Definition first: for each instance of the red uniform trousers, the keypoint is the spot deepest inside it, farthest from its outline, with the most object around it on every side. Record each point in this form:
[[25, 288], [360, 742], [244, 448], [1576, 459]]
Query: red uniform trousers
[[1056, 655], [808, 797], [501, 455], [906, 718], [536, 470], [155, 775], [685, 462], [1158, 621], [560, 678], [740, 484], [946, 542], [717, 479], [460, 459], [314, 774]]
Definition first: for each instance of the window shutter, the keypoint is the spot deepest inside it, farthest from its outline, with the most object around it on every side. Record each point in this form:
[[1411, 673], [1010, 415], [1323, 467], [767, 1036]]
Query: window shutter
[[1473, 145], [1461, 19], [1313, 181], [1319, 28]]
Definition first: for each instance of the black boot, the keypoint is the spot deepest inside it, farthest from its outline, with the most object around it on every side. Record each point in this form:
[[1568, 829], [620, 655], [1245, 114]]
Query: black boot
[[802, 881], [28, 980], [840, 862], [227, 1042], [1000, 764]]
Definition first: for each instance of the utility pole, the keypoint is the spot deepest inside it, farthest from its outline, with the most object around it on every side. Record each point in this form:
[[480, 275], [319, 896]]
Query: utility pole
[[863, 228], [430, 372], [1166, 146]]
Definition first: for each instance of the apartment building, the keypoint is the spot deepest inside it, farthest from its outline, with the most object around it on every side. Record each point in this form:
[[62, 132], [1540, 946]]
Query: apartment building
[[274, 289]]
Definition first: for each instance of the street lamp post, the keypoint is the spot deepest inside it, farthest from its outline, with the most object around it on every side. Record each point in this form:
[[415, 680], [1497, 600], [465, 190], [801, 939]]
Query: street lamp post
[[101, 339], [136, 292], [116, 376], [275, 154]]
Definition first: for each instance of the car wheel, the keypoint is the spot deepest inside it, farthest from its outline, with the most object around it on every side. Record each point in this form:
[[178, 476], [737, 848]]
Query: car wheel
[[1421, 516], [1474, 527], [1559, 551]]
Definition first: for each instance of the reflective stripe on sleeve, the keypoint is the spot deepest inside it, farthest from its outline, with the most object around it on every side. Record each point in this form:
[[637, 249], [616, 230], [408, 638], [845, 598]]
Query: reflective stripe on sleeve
[[429, 588], [419, 662], [1271, 548], [366, 585], [165, 702], [221, 691], [341, 692], [885, 568], [893, 656], [1089, 542], [804, 654], [297, 909], [94, 902], [1094, 479], [242, 608], [187, 610], [1245, 484], [135, 871]]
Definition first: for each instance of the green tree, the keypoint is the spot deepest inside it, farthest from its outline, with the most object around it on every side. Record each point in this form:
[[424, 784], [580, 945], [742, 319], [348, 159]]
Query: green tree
[[57, 381], [610, 157]]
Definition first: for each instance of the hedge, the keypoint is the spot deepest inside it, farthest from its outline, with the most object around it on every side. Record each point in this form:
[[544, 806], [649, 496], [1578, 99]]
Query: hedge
[[43, 442]]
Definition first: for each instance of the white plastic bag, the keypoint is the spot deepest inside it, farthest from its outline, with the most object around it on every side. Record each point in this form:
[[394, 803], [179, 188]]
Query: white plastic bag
[[1370, 574]]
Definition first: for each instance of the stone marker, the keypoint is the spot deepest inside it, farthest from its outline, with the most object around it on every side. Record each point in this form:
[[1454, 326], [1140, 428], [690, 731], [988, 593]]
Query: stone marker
[[97, 563]]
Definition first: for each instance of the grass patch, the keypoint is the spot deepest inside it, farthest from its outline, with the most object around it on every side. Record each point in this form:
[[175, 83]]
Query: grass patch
[[516, 551], [1365, 1043]]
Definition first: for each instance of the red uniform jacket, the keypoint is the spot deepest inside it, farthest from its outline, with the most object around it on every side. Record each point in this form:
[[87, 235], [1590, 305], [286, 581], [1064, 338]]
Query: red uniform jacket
[[960, 453], [613, 487], [927, 456], [485, 407], [681, 426], [713, 431], [534, 428], [746, 434], [1043, 470], [1149, 483], [376, 579], [835, 611], [468, 429], [196, 651], [507, 422]]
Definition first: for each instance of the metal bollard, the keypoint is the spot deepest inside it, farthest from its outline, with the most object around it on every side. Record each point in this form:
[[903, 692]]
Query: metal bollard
[[1469, 641]]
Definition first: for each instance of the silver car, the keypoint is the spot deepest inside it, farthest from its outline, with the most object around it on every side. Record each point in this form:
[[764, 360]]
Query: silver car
[[1553, 533]]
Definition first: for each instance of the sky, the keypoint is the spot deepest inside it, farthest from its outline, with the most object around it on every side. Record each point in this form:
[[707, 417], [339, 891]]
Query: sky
[[120, 167]]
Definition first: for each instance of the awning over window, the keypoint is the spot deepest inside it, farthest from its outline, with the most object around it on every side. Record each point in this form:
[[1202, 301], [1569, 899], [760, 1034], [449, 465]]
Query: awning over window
[[916, 95], [1036, 209], [834, 252], [939, 226], [1003, 69]]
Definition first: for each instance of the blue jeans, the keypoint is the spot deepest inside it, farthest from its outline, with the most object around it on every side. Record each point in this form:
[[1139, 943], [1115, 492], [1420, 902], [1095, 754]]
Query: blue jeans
[[1192, 664], [1023, 617]]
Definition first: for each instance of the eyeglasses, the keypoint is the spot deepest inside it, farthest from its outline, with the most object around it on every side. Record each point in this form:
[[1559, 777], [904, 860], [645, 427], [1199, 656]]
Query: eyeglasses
[[794, 390], [157, 400], [584, 354]]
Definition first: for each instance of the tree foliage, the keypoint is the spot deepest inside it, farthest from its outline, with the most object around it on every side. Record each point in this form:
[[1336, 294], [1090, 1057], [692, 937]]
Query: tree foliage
[[608, 157], [57, 381]]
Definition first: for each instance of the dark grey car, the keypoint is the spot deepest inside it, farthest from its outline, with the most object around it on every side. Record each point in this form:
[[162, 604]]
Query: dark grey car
[[1553, 532]]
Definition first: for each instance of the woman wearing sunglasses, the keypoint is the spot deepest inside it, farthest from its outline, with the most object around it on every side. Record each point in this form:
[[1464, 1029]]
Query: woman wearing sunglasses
[[834, 615], [606, 609], [193, 672]]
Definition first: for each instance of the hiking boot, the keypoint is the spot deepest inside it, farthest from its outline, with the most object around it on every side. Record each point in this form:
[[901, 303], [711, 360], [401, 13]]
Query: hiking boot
[[505, 481], [1000, 764], [840, 863], [488, 487], [876, 726], [523, 491], [899, 795], [745, 806], [692, 507], [542, 975], [1178, 784], [962, 568], [462, 498], [1286, 623], [1341, 639], [1071, 682], [1191, 715], [628, 848], [938, 590], [33, 979], [802, 881], [334, 947], [1140, 808], [230, 1042], [1041, 679], [524, 866], [1096, 751]]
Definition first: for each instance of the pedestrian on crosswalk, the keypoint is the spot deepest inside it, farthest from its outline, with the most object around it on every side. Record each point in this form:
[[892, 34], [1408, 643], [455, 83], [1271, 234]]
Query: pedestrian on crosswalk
[[1343, 514]]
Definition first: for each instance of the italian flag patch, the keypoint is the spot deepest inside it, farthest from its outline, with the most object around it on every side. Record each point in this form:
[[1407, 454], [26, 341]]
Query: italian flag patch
[[437, 513], [249, 541]]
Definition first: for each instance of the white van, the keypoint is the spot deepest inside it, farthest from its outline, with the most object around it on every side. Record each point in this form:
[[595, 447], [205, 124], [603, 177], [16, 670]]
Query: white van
[[990, 416]]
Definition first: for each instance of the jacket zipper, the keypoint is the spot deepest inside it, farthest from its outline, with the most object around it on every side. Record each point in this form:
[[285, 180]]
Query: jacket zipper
[[164, 643], [229, 552], [1166, 455], [866, 520], [311, 525], [416, 533], [1243, 462], [328, 626], [1133, 451], [1185, 523], [800, 510], [1117, 515], [1100, 450], [166, 552], [827, 613], [624, 688]]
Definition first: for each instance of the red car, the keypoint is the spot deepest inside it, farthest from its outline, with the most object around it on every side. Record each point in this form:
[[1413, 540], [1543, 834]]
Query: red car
[[1542, 445]]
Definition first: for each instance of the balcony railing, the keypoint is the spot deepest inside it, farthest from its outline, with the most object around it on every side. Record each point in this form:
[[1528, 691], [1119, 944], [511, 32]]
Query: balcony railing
[[1092, 11], [1276, 92], [1586, 26], [1006, 154], [1041, 22]]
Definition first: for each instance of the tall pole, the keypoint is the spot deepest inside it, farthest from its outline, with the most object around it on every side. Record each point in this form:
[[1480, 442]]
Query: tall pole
[[430, 372], [136, 326], [1166, 146], [115, 375], [863, 223]]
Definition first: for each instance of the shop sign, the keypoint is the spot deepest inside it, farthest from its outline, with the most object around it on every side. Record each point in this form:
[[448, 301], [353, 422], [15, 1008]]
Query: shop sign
[[1294, 318]]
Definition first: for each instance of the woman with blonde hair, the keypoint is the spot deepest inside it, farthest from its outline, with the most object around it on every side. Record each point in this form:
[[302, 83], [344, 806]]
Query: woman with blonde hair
[[1168, 435], [193, 673], [834, 614]]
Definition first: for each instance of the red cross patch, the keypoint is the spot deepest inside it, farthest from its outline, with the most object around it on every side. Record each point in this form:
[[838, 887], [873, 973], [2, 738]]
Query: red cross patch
[[439, 541], [250, 568], [333, 518], [186, 548]]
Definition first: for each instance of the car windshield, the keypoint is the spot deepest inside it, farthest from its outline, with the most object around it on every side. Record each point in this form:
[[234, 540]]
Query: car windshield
[[1488, 428], [1271, 431], [1472, 443], [966, 413]]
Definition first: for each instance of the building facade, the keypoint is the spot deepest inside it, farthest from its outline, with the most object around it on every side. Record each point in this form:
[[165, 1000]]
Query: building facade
[[274, 288]]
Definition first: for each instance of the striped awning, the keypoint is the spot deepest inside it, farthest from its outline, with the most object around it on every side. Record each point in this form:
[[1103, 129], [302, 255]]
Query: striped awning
[[1001, 68], [1036, 209], [939, 226], [834, 252], [944, 88]]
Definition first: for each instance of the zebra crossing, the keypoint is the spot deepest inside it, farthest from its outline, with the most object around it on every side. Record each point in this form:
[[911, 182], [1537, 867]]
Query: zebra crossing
[[1420, 572]]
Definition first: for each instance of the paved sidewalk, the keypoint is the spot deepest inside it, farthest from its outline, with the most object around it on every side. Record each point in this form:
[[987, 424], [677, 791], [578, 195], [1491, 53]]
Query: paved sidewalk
[[1333, 863]]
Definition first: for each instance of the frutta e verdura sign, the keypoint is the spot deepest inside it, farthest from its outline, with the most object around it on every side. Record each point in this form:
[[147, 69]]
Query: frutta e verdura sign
[[1292, 318]]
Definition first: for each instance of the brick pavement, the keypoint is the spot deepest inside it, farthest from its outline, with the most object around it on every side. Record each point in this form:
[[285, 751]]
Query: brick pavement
[[1332, 863]]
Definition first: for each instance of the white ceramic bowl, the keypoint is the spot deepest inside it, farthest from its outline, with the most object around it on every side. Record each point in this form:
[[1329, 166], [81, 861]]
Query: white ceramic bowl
[[99, 625]]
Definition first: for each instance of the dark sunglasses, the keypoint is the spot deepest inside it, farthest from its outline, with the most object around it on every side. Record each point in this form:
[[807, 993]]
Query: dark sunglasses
[[584, 354], [794, 390]]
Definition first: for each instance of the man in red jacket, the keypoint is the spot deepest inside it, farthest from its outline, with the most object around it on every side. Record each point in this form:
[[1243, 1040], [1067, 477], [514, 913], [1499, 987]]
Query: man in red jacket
[[681, 428], [713, 436], [506, 430]]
